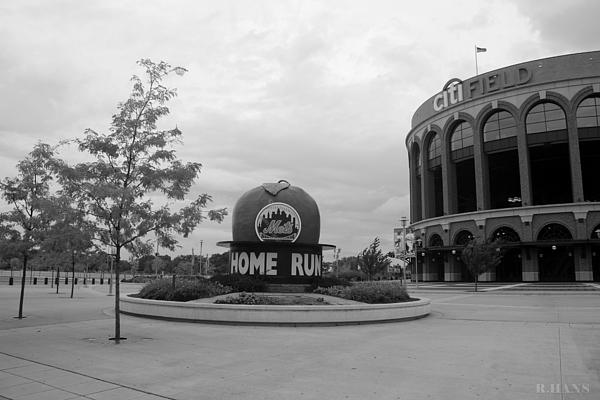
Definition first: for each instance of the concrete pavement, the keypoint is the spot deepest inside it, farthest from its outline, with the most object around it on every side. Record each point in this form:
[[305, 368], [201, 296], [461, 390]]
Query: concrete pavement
[[473, 346]]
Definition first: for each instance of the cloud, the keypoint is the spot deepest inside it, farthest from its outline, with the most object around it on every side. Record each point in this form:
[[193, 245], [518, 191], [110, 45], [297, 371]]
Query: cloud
[[318, 93]]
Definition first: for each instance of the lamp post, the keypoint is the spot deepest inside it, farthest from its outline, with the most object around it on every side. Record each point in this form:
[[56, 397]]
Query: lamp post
[[418, 243], [201, 257], [402, 249], [336, 254]]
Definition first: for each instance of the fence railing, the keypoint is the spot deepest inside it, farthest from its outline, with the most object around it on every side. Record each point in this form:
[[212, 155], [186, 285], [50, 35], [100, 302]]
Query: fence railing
[[64, 278]]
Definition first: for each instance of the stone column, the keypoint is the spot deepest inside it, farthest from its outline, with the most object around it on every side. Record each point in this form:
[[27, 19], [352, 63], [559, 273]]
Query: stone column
[[481, 173], [575, 158]]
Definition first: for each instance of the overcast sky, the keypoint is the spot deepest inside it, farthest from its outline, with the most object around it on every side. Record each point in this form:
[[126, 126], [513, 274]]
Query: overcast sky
[[319, 93]]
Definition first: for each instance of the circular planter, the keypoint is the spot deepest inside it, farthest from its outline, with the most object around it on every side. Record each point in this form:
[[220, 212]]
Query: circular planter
[[275, 314]]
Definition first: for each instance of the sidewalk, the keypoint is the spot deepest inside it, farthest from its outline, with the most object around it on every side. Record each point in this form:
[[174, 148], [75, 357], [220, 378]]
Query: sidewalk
[[472, 346]]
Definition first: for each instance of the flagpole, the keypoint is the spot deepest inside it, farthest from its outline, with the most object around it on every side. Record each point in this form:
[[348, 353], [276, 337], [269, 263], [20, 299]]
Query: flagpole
[[476, 67]]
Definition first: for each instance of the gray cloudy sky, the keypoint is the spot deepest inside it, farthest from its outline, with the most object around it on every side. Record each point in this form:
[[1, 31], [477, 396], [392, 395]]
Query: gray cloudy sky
[[319, 93]]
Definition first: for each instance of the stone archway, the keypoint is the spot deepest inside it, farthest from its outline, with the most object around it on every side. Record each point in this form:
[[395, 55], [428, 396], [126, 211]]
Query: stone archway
[[435, 258], [596, 254], [462, 238], [510, 268], [555, 260]]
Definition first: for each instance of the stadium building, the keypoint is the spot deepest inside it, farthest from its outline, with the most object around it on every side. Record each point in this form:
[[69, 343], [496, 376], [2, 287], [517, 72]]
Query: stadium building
[[514, 154]]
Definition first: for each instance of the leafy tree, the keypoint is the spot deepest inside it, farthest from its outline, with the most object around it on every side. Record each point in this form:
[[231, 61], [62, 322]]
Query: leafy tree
[[70, 233], [23, 227], [481, 257], [132, 162], [346, 264], [372, 260], [219, 263], [145, 264]]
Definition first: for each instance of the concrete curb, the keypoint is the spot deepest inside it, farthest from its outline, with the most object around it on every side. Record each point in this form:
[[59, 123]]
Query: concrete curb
[[275, 314]]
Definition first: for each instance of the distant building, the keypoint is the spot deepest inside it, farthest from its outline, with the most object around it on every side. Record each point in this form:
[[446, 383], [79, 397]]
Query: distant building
[[513, 154]]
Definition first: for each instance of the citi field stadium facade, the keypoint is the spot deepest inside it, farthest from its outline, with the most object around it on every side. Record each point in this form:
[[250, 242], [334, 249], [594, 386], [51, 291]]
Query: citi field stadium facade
[[514, 154]]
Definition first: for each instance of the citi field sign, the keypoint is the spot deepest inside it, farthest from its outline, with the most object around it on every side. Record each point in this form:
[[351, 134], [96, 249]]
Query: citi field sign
[[456, 91]]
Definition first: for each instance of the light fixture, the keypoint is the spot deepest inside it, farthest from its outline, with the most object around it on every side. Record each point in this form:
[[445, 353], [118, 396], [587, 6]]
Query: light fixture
[[179, 70], [553, 247]]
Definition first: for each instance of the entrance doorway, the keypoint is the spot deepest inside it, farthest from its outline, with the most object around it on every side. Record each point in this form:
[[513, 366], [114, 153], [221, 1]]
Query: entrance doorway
[[555, 262], [556, 265], [510, 267], [596, 262]]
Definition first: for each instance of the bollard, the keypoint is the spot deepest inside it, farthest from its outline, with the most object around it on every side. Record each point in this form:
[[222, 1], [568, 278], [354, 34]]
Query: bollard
[[84, 281], [45, 280], [66, 281], [10, 281], [35, 280], [101, 281], [93, 281]]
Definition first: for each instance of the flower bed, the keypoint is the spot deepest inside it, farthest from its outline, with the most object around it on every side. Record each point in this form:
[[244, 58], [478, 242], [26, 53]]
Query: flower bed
[[288, 300]]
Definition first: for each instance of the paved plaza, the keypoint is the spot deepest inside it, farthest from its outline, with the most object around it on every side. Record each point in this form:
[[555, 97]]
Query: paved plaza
[[531, 343]]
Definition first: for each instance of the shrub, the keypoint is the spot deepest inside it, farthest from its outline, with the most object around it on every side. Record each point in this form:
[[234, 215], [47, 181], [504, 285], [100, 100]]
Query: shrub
[[184, 290], [369, 292], [140, 279], [326, 282], [241, 283], [352, 275]]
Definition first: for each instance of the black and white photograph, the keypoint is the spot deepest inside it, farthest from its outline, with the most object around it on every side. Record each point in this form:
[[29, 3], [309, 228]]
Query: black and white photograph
[[299, 199]]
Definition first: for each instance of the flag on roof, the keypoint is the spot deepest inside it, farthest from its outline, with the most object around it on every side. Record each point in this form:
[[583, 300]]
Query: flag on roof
[[480, 49]]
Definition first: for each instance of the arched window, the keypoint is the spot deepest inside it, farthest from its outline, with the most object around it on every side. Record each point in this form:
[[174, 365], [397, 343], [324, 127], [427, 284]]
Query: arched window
[[588, 130], [462, 136], [499, 125], [415, 152], [553, 232], [461, 144], [435, 195], [596, 233], [549, 158], [463, 238], [435, 147], [506, 234], [435, 241], [545, 117], [588, 113], [501, 151]]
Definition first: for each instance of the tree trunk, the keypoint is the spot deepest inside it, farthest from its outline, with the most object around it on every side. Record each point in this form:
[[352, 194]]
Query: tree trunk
[[22, 286], [57, 278], [476, 279], [72, 272]]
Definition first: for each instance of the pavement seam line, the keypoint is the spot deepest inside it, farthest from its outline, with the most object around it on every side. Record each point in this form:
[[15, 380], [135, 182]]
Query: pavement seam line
[[503, 287], [45, 384], [84, 375], [562, 396]]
